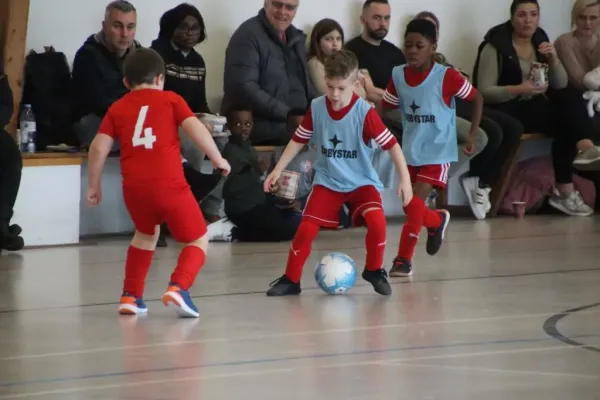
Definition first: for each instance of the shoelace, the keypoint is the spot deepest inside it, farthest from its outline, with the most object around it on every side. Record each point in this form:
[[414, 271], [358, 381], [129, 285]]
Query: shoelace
[[278, 280]]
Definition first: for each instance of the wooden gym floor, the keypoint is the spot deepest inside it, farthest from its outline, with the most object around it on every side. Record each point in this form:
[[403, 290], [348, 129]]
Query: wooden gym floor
[[508, 310]]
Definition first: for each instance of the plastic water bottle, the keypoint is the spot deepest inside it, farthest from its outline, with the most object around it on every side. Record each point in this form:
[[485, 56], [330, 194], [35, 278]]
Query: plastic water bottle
[[28, 130]]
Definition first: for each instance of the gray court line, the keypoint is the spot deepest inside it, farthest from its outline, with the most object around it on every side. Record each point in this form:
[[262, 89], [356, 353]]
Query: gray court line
[[266, 361], [311, 288], [550, 327]]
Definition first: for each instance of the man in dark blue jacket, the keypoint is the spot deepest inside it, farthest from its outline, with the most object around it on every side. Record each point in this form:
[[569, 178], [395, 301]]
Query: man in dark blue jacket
[[98, 69]]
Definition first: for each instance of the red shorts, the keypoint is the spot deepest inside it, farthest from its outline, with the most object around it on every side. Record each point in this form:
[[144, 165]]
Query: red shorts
[[177, 207], [323, 205], [436, 175]]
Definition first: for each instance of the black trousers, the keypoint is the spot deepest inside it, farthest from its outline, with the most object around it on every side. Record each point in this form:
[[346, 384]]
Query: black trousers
[[201, 184], [545, 114], [504, 133], [11, 165], [265, 223]]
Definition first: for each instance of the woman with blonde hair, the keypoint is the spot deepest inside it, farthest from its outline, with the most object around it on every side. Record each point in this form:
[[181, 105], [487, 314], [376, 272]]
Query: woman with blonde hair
[[579, 52]]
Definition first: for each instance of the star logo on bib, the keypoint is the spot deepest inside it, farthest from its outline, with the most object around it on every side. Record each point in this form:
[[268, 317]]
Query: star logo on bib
[[335, 141], [414, 107]]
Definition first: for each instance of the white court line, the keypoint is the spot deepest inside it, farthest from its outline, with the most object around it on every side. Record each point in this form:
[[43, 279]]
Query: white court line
[[496, 370], [272, 371], [282, 335]]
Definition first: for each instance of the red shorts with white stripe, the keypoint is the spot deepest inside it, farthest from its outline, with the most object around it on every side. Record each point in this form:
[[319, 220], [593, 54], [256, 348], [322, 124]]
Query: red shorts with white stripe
[[436, 175], [323, 205]]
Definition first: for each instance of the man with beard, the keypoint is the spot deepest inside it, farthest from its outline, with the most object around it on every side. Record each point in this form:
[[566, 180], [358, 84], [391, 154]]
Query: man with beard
[[376, 55]]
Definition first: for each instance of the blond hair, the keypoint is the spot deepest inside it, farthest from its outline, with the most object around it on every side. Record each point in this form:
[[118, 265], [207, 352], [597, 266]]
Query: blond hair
[[579, 7]]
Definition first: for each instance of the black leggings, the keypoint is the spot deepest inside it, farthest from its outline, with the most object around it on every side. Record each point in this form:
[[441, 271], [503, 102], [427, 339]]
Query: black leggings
[[544, 115], [11, 165], [265, 223], [504, 133]]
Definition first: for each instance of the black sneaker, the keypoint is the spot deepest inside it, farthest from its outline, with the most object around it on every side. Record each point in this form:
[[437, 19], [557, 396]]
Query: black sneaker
[[284, 287], [435, 237], [15, 230], [379, 281], [401, 268], [12, 243]]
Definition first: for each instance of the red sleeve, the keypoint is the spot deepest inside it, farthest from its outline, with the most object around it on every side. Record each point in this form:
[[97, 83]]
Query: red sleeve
[[390, 96], [375, 129], [107, 126], [181, 109], [305, 130], [455, 84]]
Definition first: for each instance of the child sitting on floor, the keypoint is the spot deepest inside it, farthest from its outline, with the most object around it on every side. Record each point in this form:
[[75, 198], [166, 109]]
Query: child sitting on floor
[[253, 213]]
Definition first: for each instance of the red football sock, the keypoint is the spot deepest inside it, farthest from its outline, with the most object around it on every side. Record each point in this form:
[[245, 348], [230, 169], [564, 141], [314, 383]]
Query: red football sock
[[415, 211], [375, 240], [137, 266], [431, 218], [300, 250], [191, 260]]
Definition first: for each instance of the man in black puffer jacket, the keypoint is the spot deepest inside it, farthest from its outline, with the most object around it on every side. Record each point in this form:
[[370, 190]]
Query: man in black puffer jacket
[[98, 69], [265, 66]]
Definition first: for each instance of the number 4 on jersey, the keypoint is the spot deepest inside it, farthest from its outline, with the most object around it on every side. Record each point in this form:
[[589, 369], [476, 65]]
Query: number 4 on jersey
[[143, 136]]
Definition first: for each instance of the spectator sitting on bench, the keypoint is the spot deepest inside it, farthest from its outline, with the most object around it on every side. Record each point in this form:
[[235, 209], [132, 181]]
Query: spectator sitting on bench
[[252, 213], [98, 69]]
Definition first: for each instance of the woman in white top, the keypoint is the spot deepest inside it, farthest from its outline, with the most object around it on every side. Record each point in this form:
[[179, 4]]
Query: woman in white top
[[327, 37]]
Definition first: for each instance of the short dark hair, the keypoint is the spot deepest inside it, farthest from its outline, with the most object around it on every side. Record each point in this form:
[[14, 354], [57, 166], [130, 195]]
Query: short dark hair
[[424, 27], [171, 19], [369, 2], [516, 3], [120, 5], [341, 64], [142, 66], [234, 108], [322, 28]]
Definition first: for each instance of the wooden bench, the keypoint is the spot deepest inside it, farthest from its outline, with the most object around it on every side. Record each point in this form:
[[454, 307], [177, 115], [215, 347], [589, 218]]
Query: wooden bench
[[500, 189]]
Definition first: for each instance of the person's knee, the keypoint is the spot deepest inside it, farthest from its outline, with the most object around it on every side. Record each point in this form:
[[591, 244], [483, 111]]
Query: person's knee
[[375, 221], [306, 233], [201, 242], [144, 241]]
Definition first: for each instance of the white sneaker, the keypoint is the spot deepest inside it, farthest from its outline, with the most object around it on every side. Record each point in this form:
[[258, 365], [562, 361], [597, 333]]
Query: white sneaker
[[588, 160], [572, 204], [479, 199], [220, 231]]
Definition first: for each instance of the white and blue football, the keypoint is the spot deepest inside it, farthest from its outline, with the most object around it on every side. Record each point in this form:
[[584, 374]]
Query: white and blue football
[[335, 273]]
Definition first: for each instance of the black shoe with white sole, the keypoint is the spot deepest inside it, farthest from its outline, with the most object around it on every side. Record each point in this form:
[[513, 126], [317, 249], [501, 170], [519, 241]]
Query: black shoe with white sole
[[435, 237]]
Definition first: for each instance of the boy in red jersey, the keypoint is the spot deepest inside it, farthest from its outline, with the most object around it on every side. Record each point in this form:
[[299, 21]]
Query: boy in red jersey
[[145, 122], [424, 91], [343, 127]]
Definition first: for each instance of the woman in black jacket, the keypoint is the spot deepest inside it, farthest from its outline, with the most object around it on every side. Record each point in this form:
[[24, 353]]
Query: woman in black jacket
[[182, 28]]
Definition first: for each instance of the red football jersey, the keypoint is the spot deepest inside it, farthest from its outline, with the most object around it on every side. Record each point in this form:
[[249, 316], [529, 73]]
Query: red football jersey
[[146, 124]]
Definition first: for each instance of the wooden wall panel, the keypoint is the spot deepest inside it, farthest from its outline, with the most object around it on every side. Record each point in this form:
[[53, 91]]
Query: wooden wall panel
[[14, 15]]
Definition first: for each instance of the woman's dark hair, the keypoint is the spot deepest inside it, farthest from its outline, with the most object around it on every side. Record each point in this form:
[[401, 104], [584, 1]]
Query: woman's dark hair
[[430, 15], [516, 3], [171, 19], [322, 28], [423, 27]]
